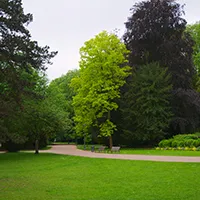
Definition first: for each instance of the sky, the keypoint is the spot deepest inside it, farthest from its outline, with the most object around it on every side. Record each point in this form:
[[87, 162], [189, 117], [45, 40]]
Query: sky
[[65, 25]]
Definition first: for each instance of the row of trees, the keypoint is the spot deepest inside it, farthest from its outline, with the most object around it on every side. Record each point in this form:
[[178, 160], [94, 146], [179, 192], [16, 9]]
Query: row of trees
[[160, 97], [134, 91], [26, 113]]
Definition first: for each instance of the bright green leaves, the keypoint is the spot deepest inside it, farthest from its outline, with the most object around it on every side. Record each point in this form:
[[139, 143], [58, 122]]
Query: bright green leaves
[[102, 72], [194, 30]]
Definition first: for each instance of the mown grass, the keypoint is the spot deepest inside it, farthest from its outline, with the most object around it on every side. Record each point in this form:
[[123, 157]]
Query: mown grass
[[149, 151], [48, 177]]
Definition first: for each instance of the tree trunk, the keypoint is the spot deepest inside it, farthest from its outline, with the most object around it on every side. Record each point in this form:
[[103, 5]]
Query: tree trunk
[[36, 146]]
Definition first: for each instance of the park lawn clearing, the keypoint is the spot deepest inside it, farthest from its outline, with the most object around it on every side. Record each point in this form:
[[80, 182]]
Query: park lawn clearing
[[152, 152], [48, 177]]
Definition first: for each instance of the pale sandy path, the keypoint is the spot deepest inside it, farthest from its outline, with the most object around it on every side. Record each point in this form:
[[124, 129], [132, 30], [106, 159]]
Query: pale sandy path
[[72, 150]]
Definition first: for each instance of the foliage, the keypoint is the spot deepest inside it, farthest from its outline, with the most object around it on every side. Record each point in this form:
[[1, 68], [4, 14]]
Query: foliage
[[156, 32], [21, 59], [37, 120], [185, 140], [194, 31], [59, 95], [130, 179], [101, 76], [148, 99]]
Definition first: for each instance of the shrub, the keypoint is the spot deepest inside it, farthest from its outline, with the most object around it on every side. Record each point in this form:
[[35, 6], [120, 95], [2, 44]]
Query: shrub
[[180, 143], [186, 136], [189, 142], [198, 148], [174, 143], [165, 143]]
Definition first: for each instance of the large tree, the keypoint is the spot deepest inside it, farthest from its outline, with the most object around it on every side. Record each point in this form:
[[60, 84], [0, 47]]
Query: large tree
[[147, 113], [194, 31], [20, 58], [155, 32], [102, 72]]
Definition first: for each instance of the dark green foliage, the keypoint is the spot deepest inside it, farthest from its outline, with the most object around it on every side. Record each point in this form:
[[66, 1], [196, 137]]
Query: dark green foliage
[[156, 32], [148, 100], [21, 62], [185, 105]]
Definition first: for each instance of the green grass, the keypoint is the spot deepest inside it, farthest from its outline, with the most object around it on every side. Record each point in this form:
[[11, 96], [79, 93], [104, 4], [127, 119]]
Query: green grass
[[150, 151], [57, 177]]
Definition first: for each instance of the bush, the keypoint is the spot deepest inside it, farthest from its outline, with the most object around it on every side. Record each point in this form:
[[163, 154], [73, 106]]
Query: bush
[[182, 141], [186, 137], [165, 143], [198, 148], [189, 142], [174, 143]]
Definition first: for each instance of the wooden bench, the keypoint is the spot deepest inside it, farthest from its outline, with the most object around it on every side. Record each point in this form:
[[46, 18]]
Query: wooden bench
[[101, 148], [115, 149]]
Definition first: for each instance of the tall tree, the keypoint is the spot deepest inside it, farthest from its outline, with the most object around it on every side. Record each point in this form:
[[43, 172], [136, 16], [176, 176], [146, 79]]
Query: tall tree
[[102, 72], [194, 31], [20, 57], [155, 32], [148, 112]]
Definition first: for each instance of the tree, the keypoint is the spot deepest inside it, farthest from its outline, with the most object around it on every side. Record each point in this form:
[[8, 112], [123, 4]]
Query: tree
[[102, 72], [20, 58], [194, 31], [59, 95], [155, 32], [41, 121], [149, 102]]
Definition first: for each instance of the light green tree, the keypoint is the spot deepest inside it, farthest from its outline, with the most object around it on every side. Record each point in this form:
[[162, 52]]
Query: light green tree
[[194, 31], [103, 69]]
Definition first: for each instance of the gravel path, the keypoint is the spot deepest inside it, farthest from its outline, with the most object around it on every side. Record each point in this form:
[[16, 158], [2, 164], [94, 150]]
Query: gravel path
[[72, 150]]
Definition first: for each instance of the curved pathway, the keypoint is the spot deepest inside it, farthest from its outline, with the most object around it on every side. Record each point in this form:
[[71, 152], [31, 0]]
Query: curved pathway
[[72, 150]]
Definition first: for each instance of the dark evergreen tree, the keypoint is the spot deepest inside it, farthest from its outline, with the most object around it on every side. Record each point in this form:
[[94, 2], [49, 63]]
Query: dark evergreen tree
[[148, 112], [155, 32]]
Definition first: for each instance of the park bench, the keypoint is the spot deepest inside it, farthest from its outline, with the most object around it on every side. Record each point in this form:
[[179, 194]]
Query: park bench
[[101, 148], [115, 149]]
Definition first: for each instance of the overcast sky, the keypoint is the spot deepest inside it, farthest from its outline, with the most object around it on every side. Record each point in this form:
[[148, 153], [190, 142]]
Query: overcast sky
[[65, 25]]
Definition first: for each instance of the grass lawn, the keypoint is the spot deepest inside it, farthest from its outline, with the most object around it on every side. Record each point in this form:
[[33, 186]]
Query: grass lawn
[[25, 176], [150, 151]]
